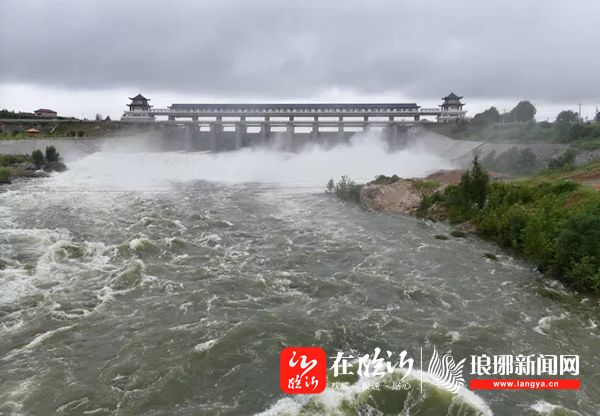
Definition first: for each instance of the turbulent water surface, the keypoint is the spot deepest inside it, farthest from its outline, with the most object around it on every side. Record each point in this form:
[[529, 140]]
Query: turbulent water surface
[[167, 283]]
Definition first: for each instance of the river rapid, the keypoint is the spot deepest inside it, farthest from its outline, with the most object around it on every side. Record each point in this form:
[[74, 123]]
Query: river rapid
[[158, 283]]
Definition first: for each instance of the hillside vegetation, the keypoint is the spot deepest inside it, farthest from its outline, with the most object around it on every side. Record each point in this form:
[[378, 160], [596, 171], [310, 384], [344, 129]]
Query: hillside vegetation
[[552, 219]]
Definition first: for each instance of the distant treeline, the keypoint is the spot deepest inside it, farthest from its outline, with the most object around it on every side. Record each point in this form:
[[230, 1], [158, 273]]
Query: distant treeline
[[519, 125]]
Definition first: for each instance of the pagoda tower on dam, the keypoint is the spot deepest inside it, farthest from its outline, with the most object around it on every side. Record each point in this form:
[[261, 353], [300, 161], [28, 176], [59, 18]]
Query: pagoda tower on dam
[[243, 122]]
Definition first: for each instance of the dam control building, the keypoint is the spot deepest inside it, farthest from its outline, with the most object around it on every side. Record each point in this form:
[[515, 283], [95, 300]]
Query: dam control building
[[315, 120]]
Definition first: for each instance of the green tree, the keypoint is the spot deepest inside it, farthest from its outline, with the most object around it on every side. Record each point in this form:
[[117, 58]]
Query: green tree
[[597, 118], [479, 183], [37, 158], [473, 186], [489, 116], [523, 112], [567, 117], [51, 154]]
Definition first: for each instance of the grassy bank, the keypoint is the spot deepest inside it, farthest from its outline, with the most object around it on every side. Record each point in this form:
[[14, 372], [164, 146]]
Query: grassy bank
[[553, 220], [29, 166], [73, 129]]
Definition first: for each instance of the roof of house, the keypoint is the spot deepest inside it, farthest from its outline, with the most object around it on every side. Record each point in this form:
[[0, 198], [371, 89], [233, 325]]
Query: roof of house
[[452, 96], [139, 97], [277, 107], [32, 130], [44, 110]]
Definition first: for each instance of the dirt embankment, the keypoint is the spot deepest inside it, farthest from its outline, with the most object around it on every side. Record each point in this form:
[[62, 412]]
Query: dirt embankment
[[589, 178], [404, 195], [400, 196]]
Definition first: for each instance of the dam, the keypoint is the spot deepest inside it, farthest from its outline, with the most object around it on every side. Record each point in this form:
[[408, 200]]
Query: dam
[[232, 126]]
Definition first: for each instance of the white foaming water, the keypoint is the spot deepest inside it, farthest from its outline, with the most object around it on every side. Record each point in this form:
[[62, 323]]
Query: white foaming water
[[545, 408], [362, 159], [336, 402]]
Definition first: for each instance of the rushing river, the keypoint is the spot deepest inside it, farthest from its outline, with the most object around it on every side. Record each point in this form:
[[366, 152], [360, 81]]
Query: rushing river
[[167, 283]]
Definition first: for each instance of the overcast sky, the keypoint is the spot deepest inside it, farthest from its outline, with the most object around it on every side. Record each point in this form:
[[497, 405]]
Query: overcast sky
[[81, 57]]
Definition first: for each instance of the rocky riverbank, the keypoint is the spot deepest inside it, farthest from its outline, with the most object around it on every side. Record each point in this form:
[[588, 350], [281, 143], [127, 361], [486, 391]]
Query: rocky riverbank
[[404, 195], [552, 219], [36, 165]]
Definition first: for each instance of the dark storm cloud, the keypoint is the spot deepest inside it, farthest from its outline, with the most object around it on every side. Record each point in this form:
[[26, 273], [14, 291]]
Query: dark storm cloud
[[545, 50]]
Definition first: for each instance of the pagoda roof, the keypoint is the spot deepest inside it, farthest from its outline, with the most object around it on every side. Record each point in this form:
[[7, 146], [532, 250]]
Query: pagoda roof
[[139, 97], [295, 106], [452, 96], [44, 110]]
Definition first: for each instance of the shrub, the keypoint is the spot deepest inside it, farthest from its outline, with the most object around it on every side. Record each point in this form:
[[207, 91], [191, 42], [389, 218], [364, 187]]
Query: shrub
[[554, 223], [330, 186], [425, 185], [588, 144], [345, 189], [466, 199], [427, 201], [51, 154], [385, 180], [585, 274], [5, 175], [513, 161], [563, 162], [37, 158], [577, 246], [8, 160]]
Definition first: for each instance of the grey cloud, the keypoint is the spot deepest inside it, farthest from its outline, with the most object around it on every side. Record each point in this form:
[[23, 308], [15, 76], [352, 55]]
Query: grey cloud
[[543, 50]]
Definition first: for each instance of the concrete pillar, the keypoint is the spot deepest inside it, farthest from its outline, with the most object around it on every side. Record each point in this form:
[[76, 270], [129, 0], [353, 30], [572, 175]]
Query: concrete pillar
[[264, 131], [194, 118], [214, 136], [341, 132], [393, 130], [171, 118], [289, 131], [314, 133], [417, 118], [188, 135], [239, 131]]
